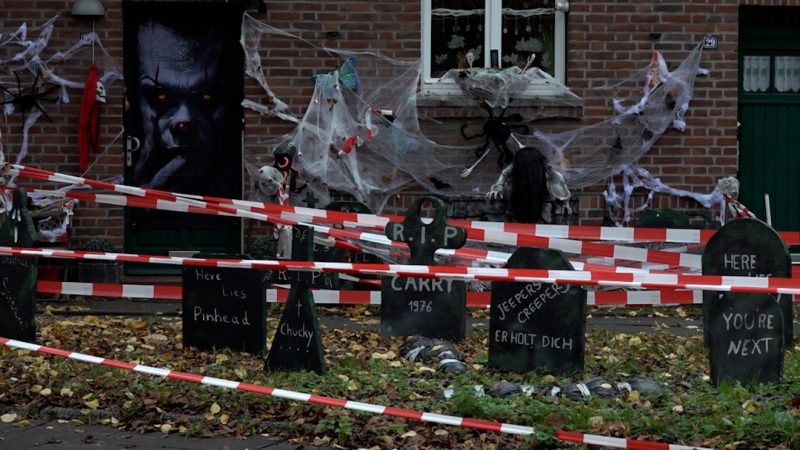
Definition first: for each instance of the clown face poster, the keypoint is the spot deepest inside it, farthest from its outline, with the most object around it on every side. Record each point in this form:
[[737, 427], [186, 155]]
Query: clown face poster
[[184, 73]]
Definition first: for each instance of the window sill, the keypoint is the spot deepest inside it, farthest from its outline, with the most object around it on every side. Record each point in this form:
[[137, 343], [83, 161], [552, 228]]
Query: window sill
[[539, 101]]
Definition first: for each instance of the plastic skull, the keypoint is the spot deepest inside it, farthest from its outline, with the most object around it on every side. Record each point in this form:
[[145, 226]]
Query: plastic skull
[[100, 92], [269, 180]]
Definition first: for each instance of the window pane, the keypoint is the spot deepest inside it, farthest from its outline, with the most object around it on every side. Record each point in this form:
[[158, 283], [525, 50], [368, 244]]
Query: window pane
[[787, 73], [755, 76], [529, 28], [457, 28]]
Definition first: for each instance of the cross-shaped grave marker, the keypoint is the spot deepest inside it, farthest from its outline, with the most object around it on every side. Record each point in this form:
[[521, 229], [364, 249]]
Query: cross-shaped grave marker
[[436, 307], [297, 344]]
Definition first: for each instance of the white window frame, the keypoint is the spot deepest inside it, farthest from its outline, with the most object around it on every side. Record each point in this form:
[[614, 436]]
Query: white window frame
[[493, 26]]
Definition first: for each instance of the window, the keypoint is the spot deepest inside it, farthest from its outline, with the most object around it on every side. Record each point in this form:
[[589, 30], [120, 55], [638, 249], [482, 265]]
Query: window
[[516, 29], [778, 74]]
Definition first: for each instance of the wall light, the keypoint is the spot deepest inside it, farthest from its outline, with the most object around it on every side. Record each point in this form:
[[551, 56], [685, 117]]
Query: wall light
[[88, 8], [562, 5]]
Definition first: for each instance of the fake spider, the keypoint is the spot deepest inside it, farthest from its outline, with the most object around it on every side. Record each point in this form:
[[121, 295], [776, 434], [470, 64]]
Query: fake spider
[[29, 100], [497, 130]]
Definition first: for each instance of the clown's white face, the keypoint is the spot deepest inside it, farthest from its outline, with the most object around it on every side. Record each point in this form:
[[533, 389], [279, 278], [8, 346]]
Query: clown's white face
[[269, 180], [181, 106]]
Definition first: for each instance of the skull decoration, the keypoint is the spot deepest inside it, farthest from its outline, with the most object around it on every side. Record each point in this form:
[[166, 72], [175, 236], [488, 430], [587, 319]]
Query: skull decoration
[[100, 92], [269, 180]]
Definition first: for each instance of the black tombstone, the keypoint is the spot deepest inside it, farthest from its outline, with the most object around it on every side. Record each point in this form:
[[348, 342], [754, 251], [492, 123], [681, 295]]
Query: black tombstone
[[18, 275], [746, 332], [224, 308], [297, 344], [537, 326], [431, 307]]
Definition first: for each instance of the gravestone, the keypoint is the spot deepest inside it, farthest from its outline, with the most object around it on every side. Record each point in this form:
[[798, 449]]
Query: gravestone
[[224, 308], [431, 307], [18, 275], [355, 257], [537, 326], [746, 332], [297, 344]]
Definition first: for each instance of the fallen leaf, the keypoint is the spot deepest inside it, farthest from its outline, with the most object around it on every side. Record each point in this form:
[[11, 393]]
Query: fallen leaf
[[92, 404], [388, 355], [223, 419], [596, 421], [45, 392], [10, 417], [409, 434], [166, 428], [215, 408], [66, 392]]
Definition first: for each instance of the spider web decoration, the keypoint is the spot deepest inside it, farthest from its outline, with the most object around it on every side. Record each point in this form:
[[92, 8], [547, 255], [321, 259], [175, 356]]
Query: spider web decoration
[[345, 144], [29, 76]]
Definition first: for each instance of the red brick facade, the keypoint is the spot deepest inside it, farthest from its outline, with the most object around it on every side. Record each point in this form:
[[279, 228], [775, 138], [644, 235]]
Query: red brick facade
[[607, 40]]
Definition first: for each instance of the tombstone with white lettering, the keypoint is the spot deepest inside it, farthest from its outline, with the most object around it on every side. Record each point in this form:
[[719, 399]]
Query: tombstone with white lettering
[[746, 332], [355, 208], [297, 344], [537, 326], [18, 275], [431, 307], [224, 308]]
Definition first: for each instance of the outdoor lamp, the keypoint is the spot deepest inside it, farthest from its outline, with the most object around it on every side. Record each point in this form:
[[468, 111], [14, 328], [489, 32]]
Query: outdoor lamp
[[88, 8], [562, 6]]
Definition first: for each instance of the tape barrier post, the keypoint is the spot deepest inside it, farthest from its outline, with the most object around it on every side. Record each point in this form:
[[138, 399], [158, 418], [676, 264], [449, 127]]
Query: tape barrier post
[[463, 422]]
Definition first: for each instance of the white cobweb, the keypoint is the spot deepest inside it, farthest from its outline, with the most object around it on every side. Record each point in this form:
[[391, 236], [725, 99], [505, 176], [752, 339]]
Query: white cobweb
[[28, 66], [364, 138]]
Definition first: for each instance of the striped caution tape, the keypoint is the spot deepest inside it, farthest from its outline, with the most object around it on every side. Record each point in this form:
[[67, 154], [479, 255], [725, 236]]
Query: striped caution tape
[[426, 273], [378, 222], [442, 419], [616, 252], [351, 297], [666, 297]]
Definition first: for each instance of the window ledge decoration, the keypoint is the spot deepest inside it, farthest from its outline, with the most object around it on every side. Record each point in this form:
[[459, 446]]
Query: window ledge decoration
[[497, 88]]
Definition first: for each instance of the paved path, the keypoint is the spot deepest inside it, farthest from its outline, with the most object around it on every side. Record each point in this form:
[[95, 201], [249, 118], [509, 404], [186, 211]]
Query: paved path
[[47, 435]]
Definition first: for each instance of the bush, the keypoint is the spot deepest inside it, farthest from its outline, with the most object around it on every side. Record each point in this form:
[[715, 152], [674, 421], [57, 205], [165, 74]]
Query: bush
[[97, 244], [264, 247]]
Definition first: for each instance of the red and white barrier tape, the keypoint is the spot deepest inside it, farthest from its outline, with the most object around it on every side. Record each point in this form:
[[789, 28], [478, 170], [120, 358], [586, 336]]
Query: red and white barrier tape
[[159, 292], [624, 280], [463, 422], [378, 222], [672, 259], [275, 392], [348, 297]]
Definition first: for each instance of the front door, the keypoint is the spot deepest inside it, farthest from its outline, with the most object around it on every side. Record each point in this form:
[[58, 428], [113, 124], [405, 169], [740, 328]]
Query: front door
[[184, 81], [769, 113]]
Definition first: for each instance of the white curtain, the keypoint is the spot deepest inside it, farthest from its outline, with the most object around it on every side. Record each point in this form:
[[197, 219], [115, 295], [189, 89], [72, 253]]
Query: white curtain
[[756, 73], [787, 73]]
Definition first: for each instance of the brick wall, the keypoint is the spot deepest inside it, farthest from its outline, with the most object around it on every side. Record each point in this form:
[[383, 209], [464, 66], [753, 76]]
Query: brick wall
[[607, 40]]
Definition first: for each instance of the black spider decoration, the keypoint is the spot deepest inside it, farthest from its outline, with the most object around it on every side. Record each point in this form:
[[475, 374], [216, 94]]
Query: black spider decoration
[[497, 130], [27, 101]]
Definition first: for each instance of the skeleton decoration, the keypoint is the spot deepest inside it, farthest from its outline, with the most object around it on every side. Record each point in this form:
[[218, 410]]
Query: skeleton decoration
[[270, 183], [100, 92]]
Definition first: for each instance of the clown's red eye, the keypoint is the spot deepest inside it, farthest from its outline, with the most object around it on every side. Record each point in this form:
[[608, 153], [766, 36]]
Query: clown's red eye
[[206, 97]]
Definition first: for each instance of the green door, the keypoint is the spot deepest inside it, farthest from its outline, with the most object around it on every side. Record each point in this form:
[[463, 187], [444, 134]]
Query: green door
[[769, 113], [184, 83]]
